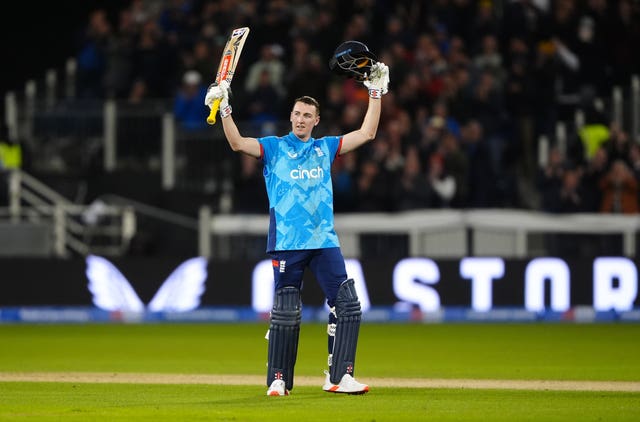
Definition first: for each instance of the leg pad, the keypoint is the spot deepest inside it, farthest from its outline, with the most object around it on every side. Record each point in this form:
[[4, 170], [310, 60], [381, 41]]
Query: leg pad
[[284, 331], [348, 316]]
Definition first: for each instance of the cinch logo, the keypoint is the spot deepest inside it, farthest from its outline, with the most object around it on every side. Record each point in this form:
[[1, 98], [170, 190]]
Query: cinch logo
[[316, 173]]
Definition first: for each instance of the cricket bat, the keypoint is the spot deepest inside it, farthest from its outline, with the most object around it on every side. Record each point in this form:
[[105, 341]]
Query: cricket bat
[[228, 63]]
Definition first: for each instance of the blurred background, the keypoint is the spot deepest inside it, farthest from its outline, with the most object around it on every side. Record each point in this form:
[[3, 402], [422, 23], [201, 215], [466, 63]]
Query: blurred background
[[511, 129]]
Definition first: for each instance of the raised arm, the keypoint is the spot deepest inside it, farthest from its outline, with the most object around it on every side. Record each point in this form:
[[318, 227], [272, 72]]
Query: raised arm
[[237, 142], [367, 131], [378, 86]]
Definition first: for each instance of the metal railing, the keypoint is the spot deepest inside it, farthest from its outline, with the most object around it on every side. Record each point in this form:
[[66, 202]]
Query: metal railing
[[441, 233], [109, 125], [75, 229], [622, 108], [152, 122]]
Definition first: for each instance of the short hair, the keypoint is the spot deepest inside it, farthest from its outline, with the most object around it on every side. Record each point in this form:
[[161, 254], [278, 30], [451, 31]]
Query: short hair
[[309, 100]]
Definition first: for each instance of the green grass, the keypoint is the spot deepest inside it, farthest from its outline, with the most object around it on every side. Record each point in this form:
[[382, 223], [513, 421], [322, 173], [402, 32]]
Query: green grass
[[596, 352], [488, 351], [84, 402]]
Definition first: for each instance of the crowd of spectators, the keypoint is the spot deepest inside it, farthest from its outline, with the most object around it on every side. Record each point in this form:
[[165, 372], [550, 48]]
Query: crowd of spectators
[[474, 85]]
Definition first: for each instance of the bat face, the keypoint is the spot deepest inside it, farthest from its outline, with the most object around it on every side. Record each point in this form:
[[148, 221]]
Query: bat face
[[231, 54], [224, 67], [227, 67], [238, 32]]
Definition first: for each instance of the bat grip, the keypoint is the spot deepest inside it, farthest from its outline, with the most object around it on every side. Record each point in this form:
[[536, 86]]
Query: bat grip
[[214, 110]]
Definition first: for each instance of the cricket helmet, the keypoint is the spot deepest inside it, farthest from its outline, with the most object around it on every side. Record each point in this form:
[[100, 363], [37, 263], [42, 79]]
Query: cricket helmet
[[352, 59]]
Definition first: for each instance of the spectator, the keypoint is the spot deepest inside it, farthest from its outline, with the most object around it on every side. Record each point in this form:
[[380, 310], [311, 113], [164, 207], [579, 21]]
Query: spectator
[[594, 171], [485, 23], [264, 102], [451, 124], [517, 73], [152, 53], [457, 165], [486, 106], [617, 144], [481, 180], [519, 99], [397, 32], [188, 106], [248, 193], [309, 77], [270, 63], [546, 80], [442, 183], [119, 57], [488, 58], [138, 92], [10, 152], [394, 157], [522, 19], [325, 38], [623, 40], [204, 60], [594, 133], [568, 198], [410, 93], [334, 106], [92, 56], [634, 159], [549, 180], [344, 183], [591, 49], [619, 190], [373, 188], [11, 158], [411, 189], [571, 197], [431, 132], [272, 23]]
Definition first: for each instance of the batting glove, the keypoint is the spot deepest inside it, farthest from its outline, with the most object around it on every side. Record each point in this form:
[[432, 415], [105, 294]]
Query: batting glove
[[220, 92], [378, 80]]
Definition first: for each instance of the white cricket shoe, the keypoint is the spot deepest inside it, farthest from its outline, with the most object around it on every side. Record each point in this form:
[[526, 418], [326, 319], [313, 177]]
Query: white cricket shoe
[[277, 388], [347, 385]]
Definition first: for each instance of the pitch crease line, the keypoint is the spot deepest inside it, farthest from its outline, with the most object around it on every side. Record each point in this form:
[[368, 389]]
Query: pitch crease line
[[234, 379]]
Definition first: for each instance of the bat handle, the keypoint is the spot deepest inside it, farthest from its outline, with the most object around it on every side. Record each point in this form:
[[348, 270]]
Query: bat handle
[[214, 110]]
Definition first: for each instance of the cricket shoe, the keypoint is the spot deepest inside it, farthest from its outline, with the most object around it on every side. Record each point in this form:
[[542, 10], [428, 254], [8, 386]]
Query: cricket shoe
[[347, 385], [277, 388]]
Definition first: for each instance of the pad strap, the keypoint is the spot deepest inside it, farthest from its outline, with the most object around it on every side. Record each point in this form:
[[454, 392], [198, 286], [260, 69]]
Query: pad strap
[[284, 331], [348, 316], [331, 333]]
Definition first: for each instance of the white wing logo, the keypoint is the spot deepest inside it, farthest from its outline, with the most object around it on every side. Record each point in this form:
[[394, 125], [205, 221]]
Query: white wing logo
[[180, 292]]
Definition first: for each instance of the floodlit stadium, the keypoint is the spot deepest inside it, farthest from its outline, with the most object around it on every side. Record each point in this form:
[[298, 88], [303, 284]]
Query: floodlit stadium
[[198, 195]]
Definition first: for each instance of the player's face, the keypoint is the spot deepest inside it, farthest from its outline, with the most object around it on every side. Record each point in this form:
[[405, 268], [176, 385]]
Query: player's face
[[304, 118]]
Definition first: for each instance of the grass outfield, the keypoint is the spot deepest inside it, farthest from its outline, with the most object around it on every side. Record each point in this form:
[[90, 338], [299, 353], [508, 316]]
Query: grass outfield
[[177, 372]]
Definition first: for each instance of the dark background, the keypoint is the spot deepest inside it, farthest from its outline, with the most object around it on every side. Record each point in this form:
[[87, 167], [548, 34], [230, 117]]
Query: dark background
[[41, 282], [39, 35]]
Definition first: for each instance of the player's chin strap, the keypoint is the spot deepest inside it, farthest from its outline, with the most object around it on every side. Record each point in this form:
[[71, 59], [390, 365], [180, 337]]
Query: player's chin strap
[[284, 332], [345, 326]]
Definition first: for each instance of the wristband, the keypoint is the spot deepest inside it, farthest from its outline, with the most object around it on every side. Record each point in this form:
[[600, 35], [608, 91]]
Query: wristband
[[375, 93], [225, 111]]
